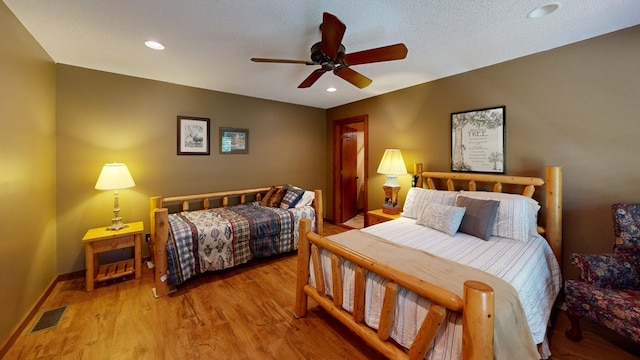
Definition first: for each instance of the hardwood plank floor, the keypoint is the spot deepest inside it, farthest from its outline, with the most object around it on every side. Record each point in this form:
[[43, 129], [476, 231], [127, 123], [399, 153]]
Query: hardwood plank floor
[[244, 313]]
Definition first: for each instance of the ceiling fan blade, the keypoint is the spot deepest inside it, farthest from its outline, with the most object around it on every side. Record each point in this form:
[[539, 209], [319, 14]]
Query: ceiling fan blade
[[385, 53], [332, 32], [311, 79], [282, 61], [352, 76]]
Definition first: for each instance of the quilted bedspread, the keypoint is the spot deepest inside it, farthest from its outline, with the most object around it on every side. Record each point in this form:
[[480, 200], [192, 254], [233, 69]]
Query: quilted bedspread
[[216, 239]]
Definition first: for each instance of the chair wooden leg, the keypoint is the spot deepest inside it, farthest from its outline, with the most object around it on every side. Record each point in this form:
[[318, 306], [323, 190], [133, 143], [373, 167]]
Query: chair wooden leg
[[574, 333]]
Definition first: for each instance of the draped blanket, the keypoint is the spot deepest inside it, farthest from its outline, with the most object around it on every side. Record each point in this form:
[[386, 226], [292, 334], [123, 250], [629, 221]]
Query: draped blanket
[[216, 239], [512, 338]]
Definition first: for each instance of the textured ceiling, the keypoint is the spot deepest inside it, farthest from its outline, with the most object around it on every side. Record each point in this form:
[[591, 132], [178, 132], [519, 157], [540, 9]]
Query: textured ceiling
[[209, 42]]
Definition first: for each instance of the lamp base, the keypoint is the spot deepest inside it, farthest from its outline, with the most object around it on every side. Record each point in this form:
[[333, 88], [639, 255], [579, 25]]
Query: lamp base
[[117, 224], [390, 205], [390, 210]]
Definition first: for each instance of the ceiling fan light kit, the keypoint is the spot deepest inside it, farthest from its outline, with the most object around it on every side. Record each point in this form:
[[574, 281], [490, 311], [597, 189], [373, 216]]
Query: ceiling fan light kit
[[543, 11], [331, 55]]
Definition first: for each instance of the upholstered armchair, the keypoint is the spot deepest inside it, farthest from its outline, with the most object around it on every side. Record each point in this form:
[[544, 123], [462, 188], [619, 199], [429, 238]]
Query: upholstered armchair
[[608, 291]]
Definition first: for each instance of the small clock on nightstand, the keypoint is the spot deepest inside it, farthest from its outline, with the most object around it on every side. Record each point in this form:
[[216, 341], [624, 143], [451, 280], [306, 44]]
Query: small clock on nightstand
[[377, 217]]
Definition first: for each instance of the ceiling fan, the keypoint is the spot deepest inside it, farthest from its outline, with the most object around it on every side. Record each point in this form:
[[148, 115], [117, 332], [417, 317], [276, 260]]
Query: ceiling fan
[[331, 55]]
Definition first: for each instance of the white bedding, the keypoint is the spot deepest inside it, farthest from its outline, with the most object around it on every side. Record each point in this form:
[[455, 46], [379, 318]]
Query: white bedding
[[530, 267]]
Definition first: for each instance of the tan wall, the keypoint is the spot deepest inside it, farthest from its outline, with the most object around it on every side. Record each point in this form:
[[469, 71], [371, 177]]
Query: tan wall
[[103, 117], [574, 106], [27, 166]]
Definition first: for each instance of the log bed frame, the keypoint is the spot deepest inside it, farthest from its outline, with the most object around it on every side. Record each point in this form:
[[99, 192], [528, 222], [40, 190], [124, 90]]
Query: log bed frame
[[477, 304], [159, 222]]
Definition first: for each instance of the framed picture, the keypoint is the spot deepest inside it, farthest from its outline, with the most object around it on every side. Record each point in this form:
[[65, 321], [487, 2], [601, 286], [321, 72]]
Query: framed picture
[[478, 140], [193, 135], [234, 141]]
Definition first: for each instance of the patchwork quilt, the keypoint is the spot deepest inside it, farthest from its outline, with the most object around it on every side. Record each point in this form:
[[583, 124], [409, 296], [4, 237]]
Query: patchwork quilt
[[221, 238]]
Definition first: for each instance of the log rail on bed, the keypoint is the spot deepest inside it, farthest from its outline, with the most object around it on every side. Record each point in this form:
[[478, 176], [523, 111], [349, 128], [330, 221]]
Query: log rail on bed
[[476, 306], [159, 221]]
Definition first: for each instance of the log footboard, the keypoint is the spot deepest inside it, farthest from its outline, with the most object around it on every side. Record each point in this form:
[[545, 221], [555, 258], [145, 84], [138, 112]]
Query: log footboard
[[477, 306]]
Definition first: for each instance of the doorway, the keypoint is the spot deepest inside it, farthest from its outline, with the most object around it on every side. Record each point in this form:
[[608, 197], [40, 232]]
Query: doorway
[[350, 169]]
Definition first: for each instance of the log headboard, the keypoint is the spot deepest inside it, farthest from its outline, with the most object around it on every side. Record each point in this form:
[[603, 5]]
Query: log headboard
[[550, 225]]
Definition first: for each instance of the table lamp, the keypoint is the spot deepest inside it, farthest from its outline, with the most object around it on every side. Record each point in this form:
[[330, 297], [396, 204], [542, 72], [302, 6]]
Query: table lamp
[[114, 177], [391, 165]]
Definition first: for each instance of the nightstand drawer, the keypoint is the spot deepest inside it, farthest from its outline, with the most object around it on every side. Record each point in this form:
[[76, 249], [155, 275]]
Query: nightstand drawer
[[113, 244], [376, 220]]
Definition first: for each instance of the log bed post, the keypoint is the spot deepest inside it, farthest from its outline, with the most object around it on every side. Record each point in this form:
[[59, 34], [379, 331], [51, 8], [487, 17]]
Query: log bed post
[[319, 212], [477, 321], [155, 202], [159, 245], [553, 208], [302, 276]]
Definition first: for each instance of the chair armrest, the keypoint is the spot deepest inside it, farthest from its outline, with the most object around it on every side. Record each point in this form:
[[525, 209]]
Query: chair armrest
[[612, 271]]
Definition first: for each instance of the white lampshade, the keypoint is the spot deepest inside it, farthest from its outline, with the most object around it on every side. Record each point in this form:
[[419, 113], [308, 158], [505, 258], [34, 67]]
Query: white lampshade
[[392, 163], [115, 176]]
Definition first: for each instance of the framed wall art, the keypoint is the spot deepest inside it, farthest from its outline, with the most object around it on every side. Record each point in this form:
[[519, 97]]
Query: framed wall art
[[478, 140], [193, 135], [234, 141]]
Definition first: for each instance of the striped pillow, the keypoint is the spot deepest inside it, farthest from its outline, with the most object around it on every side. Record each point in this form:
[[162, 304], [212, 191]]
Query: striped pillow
[[418, 198], [291, 197], [517, 214]]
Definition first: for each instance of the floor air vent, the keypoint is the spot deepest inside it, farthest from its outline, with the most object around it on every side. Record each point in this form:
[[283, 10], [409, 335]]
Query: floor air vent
[[49, 319]]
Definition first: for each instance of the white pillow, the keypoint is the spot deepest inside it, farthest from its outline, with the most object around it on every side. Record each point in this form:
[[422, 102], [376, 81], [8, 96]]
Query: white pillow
[[517, 214], [418, 198], [306, 199], [443, 218]]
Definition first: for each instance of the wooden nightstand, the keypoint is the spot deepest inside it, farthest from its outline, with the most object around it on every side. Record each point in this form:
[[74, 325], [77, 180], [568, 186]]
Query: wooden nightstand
[[377, 217], [100, 240]]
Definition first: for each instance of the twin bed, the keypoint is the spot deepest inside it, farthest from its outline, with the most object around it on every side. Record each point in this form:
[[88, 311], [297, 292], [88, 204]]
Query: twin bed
[[217, 231], [412, 291]]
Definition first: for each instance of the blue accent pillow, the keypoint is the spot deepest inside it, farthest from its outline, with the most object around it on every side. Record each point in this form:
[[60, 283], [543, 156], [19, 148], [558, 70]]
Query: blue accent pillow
[[291, 197]]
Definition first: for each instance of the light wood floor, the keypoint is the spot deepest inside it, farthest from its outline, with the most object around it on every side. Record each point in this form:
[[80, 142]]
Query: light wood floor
[[245, 313]]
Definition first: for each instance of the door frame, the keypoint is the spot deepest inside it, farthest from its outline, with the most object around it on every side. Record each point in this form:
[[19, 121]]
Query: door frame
[[337, 162]]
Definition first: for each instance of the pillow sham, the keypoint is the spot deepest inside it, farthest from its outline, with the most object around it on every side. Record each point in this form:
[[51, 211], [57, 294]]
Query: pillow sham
[[418, 198], [291, 197], [517, 214], [306, 199], [479, 217], [267, 196], [443, 218]]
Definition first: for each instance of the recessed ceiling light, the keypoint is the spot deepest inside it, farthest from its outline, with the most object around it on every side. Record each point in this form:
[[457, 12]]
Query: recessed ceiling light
[[543, 10], [154, 45], [331, 89]]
